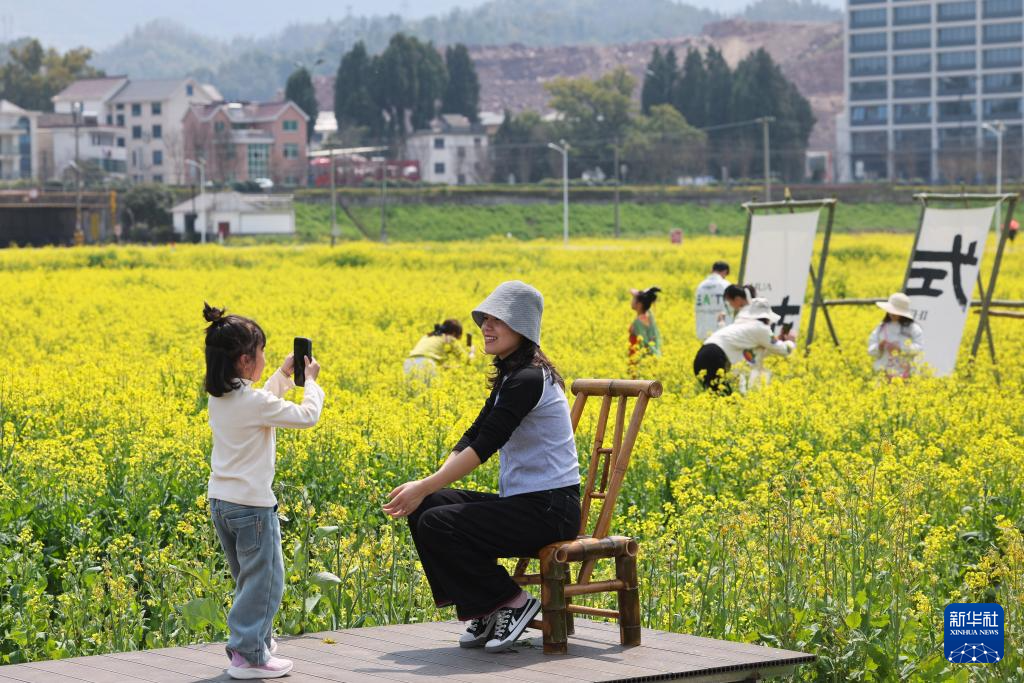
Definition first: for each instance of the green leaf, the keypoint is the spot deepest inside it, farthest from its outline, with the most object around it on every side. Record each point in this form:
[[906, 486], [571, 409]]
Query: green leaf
[[312, 602], [325, 531], [201, 612], [853, 619], [325, 579]]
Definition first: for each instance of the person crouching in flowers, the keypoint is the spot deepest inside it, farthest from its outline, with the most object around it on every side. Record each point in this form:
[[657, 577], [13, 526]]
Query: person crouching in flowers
[[897, 341], [459, 535], [432, 348], [242, 504]]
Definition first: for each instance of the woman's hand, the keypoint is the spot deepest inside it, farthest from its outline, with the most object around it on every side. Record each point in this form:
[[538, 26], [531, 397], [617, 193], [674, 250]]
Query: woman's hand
[[405, 499], [288, 366]]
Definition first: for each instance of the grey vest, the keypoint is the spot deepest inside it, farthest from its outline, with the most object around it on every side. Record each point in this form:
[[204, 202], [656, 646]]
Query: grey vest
[[541, 453]]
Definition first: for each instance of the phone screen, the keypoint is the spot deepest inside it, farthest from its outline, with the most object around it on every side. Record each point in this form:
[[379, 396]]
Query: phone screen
[[469, 339], [303, 347]]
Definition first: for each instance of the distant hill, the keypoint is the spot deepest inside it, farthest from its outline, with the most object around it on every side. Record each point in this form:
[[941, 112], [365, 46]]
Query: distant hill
[[256, 68]]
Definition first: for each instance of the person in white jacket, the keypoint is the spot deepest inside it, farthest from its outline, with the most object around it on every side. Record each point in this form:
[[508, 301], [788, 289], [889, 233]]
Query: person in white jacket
[[896, 343], [709, 300], [743, 344]]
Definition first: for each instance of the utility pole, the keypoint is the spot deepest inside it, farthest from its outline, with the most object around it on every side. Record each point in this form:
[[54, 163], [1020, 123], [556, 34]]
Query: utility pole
[[334, 200], [997, 129], [201, 167], [79, 233], [564, 151], [383, 200], [764, 121], [616, 188]]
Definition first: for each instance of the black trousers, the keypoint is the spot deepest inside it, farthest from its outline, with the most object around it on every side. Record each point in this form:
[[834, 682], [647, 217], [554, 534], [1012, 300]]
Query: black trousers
[[460, 535], [711, 366]]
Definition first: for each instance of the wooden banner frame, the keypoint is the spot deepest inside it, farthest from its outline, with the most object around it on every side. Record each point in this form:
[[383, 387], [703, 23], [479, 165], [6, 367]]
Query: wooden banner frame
[[986, 302], [816, 277]]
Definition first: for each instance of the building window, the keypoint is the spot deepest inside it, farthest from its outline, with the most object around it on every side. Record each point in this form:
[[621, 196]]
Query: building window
[[920, 140], [918, 112], [136, 109], [868, 90], [258, 161], [909, 40], [867, 18], [158, 178], [136, 132], [993, 9], [869, 142], [869, 116], [156, 108], [1003, 56], [867, 42], [957, 11], [461, 180], [158, 157], [916, 14], [120, 142], [912, 87], [218, 126], [119, 107], [1001, 109], [867, 66], [188, 89], [120, 119], [955, 138], [956, 35], [1010, 82], [911, 64], [1003, 33], [461, 153], [438, 143], [439, 168], [476, 142], [158, 131], [110, 119], [957, 110], [291, 150], [956, 61], [291, 124], [956, 85]]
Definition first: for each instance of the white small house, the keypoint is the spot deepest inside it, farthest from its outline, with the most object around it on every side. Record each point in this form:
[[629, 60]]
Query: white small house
[[235, 213], [452, 151]]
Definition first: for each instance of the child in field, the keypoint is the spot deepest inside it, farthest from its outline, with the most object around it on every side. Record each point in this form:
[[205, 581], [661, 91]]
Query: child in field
[[897, 341], [242, 504]]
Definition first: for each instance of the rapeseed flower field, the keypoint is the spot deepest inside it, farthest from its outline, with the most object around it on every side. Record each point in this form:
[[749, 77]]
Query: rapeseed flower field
[[831, 512]]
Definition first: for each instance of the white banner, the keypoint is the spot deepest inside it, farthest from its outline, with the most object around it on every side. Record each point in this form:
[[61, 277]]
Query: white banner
[[779, 261], [943, 270]]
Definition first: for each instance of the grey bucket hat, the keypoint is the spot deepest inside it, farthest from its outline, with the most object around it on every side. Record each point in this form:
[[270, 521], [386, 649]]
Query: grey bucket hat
[[516, 304]]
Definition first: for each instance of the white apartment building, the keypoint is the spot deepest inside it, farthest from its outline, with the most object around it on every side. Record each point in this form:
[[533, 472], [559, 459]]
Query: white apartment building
[[452, 151], [921, 81], [130, 127], [18, 142]]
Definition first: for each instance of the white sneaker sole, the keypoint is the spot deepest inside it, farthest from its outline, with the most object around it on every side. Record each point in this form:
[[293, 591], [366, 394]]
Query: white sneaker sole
[[249, 674], [524, 623]]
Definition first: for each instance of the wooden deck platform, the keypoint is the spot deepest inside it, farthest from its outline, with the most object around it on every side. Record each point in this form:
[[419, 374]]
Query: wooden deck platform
[[424, 652]]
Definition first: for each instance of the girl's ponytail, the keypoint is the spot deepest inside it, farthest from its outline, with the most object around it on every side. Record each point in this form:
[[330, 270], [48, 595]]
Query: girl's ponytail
[[228, 338]]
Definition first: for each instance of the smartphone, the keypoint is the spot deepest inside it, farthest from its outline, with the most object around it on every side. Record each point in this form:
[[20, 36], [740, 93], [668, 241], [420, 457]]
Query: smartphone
[[786, 328], [469, 339], [303, 348]]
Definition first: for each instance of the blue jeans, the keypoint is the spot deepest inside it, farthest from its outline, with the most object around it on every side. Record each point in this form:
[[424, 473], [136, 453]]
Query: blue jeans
[[251, 539]]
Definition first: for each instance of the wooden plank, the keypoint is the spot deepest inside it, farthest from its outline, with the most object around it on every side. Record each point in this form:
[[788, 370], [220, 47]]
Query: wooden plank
[[23, 673], [132, 670], [157, 660], [79, 669], [306, 671]]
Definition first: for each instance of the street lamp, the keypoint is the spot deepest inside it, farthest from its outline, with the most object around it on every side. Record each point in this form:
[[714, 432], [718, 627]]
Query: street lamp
[[564, 151], [764, 121], [201, 165], [997, 129], [76, 110]]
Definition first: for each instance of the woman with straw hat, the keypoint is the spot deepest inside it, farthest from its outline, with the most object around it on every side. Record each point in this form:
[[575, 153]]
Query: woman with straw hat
[[748, 339], [897, 341], [459, 534]]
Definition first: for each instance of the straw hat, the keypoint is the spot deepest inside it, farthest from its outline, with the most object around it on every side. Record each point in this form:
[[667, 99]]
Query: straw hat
[[516, 304], [898, 304], [758, 309]]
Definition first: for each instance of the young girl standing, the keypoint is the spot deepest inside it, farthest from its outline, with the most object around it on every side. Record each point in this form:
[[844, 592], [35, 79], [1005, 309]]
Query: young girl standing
[[242, 504], [897, 342]]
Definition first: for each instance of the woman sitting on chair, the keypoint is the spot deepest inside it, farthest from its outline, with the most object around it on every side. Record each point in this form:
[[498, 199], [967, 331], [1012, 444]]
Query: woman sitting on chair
[[459, 534]]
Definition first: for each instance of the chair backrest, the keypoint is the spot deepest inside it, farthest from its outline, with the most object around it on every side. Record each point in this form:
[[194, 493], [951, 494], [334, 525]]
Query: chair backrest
[[607, 468]]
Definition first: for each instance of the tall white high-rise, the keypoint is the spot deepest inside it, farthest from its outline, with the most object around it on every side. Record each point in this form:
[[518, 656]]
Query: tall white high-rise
[[920, 79]]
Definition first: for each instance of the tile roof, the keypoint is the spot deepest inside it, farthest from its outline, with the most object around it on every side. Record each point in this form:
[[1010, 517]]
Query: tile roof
[[149, 89], [91, 89]]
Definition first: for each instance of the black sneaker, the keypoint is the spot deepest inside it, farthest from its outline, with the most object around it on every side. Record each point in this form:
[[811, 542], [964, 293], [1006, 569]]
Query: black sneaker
[[509, 624], [478, 632]]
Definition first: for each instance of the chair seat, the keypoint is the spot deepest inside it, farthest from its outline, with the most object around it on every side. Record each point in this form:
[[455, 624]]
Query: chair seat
[[584, 548]]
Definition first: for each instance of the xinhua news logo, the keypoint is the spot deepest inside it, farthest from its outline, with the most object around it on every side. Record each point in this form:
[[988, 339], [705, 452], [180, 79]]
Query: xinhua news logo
[[974, 633]]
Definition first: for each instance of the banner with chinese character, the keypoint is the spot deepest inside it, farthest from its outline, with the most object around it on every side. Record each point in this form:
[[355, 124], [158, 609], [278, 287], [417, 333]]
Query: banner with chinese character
[[779, 260], [940, 282]]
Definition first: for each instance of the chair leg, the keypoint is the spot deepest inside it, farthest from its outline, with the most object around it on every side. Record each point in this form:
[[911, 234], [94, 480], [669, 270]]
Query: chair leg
[[629, 601], [552, 601], [570, 626]]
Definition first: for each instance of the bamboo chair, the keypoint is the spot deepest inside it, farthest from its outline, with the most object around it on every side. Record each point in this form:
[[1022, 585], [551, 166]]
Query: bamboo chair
[[607, 469]]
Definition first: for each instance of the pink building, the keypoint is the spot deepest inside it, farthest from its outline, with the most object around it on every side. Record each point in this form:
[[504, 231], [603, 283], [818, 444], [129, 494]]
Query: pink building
[[241, 142]]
